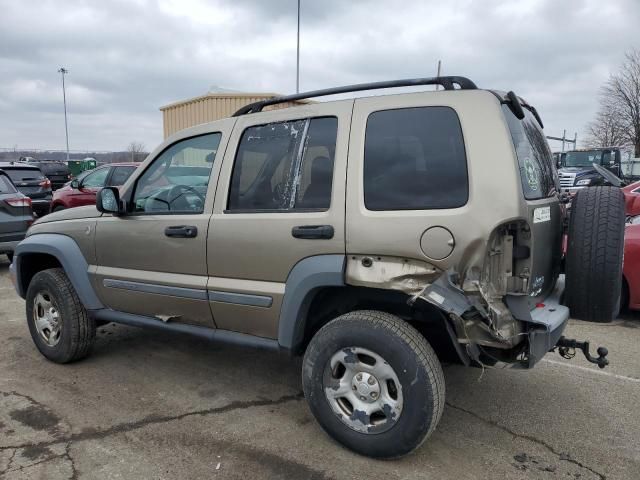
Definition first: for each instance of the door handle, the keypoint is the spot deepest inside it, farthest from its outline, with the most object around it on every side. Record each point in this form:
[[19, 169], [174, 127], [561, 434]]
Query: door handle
[[181, 231], [313, 232]]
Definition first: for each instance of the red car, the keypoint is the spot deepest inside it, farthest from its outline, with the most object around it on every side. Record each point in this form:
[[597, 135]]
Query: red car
[[83, 190], [632, 199], [631, 267]]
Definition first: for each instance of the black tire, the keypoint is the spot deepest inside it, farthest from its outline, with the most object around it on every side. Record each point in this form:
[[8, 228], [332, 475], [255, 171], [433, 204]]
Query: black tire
[[58, 208], [78, 329], [10, 257], [594, 254], [410, 356]]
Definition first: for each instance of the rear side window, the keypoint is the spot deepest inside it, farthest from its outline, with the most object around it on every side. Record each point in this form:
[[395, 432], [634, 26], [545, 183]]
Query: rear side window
[[414, 159], [284, 166], [535, 160], [5, 185], [121, 175], [24, 175]]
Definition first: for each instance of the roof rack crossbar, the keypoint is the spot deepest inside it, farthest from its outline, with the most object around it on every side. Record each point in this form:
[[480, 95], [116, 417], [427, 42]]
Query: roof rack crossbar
[[447, 82]]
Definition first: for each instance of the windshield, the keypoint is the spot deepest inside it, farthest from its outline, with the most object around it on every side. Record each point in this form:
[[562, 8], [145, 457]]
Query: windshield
[[537, 168], [582, 159]]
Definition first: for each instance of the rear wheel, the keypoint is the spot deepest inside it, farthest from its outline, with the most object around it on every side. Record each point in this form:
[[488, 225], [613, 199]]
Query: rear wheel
[[59, 325], [58, 208], [374, 383], [594, 254]]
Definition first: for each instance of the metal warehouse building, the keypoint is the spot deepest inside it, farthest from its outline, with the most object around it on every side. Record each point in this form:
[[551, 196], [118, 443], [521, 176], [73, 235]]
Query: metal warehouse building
[[209, 107]]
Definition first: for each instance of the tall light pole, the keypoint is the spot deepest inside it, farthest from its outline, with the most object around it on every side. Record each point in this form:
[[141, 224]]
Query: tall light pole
[[298, 53], [63, 71]]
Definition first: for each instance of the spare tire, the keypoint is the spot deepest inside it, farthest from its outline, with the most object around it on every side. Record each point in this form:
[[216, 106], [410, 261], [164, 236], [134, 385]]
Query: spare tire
[[593, 273]]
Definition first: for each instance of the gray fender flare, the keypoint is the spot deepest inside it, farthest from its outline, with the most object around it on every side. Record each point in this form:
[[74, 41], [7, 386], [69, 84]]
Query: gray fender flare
[[67, 252], [304, 280]]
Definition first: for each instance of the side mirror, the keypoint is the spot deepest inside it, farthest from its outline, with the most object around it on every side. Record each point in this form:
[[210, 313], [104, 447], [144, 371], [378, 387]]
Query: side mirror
[[75, 183], [612, 163], [108, 201]]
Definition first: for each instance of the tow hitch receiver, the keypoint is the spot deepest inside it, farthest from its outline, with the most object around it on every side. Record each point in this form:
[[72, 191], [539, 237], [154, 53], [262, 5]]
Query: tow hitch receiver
[[567, 349]]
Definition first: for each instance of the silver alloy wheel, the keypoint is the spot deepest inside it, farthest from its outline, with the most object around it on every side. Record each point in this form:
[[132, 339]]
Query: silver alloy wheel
[[363, 390], [47, 319]]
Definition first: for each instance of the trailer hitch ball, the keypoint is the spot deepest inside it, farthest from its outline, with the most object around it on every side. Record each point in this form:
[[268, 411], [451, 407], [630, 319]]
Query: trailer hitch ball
[[567, 349]]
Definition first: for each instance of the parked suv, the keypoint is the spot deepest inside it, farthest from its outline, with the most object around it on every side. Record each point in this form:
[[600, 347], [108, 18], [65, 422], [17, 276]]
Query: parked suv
[[30, 180], [82, 191], [15, 215], [365, 234]]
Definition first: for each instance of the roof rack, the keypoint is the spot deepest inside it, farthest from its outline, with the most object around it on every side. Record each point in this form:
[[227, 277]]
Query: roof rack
[[447, 82]]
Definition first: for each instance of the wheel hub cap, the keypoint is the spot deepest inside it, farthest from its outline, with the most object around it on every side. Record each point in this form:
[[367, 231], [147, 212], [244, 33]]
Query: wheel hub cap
[[363, 390], [47, 319]]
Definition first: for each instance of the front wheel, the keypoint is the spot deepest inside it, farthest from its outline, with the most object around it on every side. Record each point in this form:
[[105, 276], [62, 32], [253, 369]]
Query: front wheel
[[374, 383], [59, 325]]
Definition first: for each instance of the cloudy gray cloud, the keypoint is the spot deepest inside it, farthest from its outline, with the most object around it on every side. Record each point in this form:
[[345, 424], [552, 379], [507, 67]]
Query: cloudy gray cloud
[[128, 58]]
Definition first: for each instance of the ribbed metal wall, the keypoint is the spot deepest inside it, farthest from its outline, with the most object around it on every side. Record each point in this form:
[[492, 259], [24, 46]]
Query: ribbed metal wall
[[207, 108]]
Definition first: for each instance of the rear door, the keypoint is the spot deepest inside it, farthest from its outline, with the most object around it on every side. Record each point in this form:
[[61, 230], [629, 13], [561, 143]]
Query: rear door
[[282, 183]]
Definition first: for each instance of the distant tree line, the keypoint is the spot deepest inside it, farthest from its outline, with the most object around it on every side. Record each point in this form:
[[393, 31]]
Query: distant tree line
[[618, 119], [135, 152]]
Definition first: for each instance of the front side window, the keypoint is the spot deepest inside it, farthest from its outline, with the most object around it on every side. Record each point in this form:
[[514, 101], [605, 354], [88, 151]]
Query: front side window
[[284, 166], [120, 175], [96, 179], [177, 180], [535, 161], [414, 159]]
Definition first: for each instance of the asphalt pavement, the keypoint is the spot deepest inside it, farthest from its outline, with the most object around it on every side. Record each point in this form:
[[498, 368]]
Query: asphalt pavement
[[148, 405]]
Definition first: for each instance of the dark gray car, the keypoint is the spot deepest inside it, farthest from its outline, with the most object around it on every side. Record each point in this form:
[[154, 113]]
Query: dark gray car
[[30, 180], [15, 215]]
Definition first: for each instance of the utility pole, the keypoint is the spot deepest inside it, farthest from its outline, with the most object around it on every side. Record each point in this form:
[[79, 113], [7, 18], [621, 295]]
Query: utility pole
[[298, 53], [63, 71]]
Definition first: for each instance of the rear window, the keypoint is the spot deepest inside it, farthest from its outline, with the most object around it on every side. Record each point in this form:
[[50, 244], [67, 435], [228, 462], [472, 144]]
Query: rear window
[[5, 185], [24, 174], [535, 161], [121, 175], [414, 159]]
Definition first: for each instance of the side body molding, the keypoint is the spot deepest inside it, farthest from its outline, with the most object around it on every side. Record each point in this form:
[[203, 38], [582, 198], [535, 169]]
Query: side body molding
[[304, 280], [67, 252]]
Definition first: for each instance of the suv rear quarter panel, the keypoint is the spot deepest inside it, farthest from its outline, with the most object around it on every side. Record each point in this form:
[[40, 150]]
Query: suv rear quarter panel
[[494, 185]]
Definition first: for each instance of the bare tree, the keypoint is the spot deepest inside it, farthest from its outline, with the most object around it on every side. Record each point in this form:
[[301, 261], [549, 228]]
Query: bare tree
[[607, 129], [137, 151], [622, 92]]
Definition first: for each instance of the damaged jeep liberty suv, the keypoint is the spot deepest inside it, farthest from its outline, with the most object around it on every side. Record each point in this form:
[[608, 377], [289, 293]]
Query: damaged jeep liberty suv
[[366, 234]]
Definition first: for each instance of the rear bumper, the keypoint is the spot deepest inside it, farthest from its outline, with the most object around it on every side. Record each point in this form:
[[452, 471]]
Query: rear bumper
[[550, 320], [41, 205]]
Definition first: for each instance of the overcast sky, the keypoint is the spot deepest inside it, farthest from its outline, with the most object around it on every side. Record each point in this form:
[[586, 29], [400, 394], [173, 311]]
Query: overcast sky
[[127, 58]]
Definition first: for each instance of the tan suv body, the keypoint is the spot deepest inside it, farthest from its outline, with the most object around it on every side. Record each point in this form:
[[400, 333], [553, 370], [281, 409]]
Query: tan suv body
[[411, 213]]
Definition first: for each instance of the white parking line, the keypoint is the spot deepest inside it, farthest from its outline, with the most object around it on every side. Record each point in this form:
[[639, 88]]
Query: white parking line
[[591, 370]]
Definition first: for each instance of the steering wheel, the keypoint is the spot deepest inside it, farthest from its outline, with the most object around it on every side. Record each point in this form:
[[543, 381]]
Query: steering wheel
[[609, 176], [178, 191]]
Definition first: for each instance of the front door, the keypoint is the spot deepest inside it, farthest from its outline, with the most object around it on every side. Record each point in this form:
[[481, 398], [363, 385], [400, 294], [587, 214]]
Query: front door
[[88, 187], [153, 261], [280, 200]]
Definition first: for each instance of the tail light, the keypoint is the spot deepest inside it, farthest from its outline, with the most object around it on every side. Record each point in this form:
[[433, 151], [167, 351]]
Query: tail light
[[46, 183], [19, 201]]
